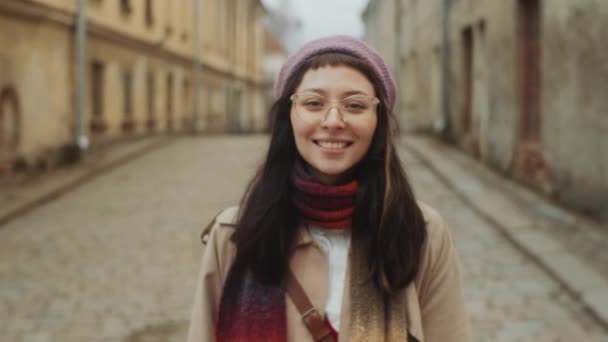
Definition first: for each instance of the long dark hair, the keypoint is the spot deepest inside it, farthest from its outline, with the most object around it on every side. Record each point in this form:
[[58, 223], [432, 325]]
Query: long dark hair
[[387, 220]]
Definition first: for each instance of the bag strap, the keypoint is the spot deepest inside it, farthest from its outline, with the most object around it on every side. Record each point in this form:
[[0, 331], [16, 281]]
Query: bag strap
[[317, 325]]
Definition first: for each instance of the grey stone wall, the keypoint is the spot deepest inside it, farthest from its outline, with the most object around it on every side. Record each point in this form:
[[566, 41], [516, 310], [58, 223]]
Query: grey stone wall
[[568, 160]]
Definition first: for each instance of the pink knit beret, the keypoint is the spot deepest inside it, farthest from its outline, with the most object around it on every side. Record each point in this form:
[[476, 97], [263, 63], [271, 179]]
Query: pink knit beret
[[342, 44]]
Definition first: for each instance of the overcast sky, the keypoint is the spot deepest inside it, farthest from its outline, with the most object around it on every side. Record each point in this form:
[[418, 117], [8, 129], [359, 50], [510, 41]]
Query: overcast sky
[[324, 17]]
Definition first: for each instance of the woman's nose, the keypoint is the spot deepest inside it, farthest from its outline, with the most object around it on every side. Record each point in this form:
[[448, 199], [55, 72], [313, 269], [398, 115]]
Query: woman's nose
[[333, 119]]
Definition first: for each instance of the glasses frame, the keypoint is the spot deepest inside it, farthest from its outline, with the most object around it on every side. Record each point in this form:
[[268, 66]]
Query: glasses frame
[[333, 104]]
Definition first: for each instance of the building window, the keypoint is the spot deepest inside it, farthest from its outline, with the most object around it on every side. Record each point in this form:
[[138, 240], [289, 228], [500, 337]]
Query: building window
[[187, 99], [170, 101], [9, 125], [98, 124], [95, 3], [150, 90], [125, 6], [150, 107], [149, 14], [97, 69], [127, 83], [467, 72], [169, 18], [128, 123]]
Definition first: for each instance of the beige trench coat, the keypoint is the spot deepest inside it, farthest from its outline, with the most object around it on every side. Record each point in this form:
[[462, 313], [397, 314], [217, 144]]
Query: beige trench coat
[[435, 309]]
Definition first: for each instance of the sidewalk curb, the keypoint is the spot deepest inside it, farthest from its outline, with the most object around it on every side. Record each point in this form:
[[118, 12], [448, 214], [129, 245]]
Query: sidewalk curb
[[88, 175], [593, 302]]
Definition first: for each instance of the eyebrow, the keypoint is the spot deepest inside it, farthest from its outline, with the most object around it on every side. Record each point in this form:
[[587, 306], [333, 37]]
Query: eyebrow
[[345, 94]]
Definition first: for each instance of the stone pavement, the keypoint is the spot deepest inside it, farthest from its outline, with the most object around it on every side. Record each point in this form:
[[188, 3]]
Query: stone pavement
[[571, 248], [115, 259], [511, 294], [21, 193]]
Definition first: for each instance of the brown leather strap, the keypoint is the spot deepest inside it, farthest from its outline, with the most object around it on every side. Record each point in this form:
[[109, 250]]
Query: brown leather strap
[[311, 317]]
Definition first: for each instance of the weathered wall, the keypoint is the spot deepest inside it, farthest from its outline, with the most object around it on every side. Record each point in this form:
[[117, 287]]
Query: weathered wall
[[494, 98], [117, 59], [381, 20], [426, 60], [567, 158], [574, 101], [38, 62]]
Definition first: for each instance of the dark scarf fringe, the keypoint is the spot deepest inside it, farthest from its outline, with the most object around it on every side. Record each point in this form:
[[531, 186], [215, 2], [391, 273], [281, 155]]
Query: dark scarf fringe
[[250, 311]]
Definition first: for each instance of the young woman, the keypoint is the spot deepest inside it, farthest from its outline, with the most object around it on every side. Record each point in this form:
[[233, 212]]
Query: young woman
[[329, 241]]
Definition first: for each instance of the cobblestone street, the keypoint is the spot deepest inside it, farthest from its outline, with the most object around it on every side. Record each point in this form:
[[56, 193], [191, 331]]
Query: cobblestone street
[[116, 258]]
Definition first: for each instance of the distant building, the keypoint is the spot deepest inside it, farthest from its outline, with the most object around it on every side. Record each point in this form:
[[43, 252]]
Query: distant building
[[284, 24], [140, 58], [273, 60], [382, 31], [519, 84]]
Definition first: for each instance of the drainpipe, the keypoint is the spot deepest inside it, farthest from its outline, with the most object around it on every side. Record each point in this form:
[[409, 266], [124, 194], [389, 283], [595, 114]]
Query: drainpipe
[[443, 125], [82, 141], [397, 66], [198, 66]]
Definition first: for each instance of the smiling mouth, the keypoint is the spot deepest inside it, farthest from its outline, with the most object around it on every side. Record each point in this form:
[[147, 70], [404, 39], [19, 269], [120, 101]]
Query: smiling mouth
[[334, 145]]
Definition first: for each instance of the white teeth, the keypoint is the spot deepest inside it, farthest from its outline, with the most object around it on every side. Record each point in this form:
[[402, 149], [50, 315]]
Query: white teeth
[[332, 144]]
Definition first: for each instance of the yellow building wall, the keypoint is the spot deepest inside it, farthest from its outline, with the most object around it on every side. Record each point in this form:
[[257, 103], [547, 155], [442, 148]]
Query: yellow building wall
[[39, 50], [39, 69]]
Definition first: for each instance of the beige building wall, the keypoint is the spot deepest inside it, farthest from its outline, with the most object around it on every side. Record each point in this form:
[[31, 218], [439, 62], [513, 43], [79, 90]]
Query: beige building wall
[[390, 30], [574, 104], [421, 57], [526, 82], [380, 20], [139, 69], [34, 61]]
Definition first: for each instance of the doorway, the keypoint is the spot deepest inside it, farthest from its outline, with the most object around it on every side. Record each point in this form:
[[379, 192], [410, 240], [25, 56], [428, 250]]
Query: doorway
[[529, 162], [529, 69]]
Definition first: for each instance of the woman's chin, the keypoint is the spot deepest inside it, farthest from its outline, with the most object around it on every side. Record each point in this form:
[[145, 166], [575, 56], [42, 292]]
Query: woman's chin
[[331, 176]]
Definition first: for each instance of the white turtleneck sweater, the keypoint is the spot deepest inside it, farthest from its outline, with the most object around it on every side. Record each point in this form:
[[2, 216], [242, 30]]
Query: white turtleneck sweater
[[335, 244]]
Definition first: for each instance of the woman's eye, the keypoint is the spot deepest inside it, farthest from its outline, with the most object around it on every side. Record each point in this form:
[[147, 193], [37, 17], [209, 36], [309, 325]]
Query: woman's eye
[[355, 106], [313, 104]]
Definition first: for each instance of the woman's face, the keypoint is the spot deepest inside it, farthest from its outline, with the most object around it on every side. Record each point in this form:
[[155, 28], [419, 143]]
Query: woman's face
[[332, 145]]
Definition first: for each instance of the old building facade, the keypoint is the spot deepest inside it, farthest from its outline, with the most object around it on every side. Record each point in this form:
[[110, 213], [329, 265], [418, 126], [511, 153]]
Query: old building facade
[[273, 61], [519, 84], [381, 31], [140, 58]]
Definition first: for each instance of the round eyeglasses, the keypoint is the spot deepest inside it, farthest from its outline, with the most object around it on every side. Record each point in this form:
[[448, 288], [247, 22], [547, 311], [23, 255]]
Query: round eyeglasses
[[313, 107]]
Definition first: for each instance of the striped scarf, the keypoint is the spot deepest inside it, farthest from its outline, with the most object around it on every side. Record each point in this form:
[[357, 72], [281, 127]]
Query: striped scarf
[[327, 206], [252, 312]]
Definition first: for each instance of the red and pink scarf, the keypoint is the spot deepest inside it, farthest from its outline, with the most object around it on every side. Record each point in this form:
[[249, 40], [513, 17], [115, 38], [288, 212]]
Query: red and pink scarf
[[252, 312], [321, 205]]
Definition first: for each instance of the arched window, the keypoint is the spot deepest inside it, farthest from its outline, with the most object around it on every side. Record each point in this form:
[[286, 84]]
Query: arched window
[[9, 124]]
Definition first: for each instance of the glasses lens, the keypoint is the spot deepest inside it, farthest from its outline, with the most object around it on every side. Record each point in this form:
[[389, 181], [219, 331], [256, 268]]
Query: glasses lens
[[358, 104], [313, 107], [310, 106]]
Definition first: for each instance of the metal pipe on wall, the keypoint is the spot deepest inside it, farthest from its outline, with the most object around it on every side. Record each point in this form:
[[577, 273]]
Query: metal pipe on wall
[[82, 141], [397, 66], [198, 67], [443, 126]]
